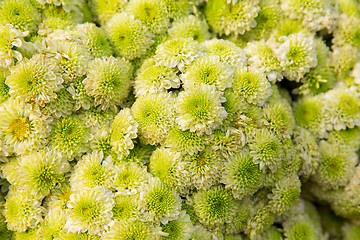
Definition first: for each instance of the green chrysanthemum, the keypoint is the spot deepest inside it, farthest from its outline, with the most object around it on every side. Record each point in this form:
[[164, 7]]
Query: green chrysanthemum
[[200, 233], [349, 137], [301, 228], [59, 196], [100, 141], [226, 18], [4, 89], [92, 171], [227, 51], [62, 106], [69, 137], [103, 11], [22, 126], [125, 207], [152, 13], [132, 229], [155, 115], [159, 203], [108, 81], [35, 80], [19, 13], [89, 210], [53, 224], [178, 229], [242, 175], [208, 69], [96, 119], [55, 18], [199, 109], [177, 9], [130, 36], [266, 149], [184, 141], [214, 206], [5, 233], [190, 26], [94, 40], [252, 85], [22, 210], [227, 142], [343, 60], [79, 95]]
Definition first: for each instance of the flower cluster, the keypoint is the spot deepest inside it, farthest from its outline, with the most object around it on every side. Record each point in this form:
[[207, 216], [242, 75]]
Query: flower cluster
[[182, 120]]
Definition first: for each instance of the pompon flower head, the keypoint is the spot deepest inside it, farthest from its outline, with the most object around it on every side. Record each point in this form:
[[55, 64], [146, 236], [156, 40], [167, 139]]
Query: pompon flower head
[[349, 137], [177, 9], [347, 32], [59, 196], [336, 166], [252, 85], [235, 19], [190, 26], [94, 118], [62, 106], [159, 203], [123, 129], [91, 171], [108, 81], [297, 55], [126, 207], [130, 37], [185, 142], [301, 227], [266, 150], [11, 40], [215, 206], [53, 224], [35, 80], [263, 57], [79, 95], [242, 175], [168, 167], [22, 210], [69, 137], [155, 115], [155, 79], [103, 11], [21, 14], [208, 69], [89, 210], [200, 233], [41, 171], [343, 60], [94, 40], [227, 51], [177, 52], [22, 126], [179, 229], [227, 141], [100, 141], [199, 109], [132, 229], [152, 13]]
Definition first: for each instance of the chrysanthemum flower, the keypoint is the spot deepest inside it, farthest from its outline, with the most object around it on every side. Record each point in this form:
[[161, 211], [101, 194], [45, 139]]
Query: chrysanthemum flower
[[297, 55], [184, 141], [21, 14], [179, 229], [53, 224], [155, 115], [210, 70], [266, 150], [123, 129], [93, 170], [69, 137], [22, 126], [59, 196], [190, 26], [301, 227], [5, 233], [177, 52], [132, 229], [35, 80], [104, 11], [159, 203], [227, 51], [100, 141], [227, 142], [177, 9], [199, 109], [252, 85], [89, 210], [155, 79], [225, 18], [22, 210], [242, 175], [79, 95], [108, 81], [130, 37], [349, 137], [152, 13], [343, 60], [94, 40], [94, 118], [200, 233], [4, 89], [125, 207], [62, 106]]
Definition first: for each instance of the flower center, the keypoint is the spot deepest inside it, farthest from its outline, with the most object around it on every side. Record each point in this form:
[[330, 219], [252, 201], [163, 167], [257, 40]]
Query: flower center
[[20, 128]]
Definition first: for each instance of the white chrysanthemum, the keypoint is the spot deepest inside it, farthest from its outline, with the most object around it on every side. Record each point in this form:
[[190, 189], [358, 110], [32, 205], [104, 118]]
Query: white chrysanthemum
[[89, 210], [227, 51], [22, 210], [199, 109], [210, 70], [108, 81], [11, 39], [92, 171], [35, 80], [159, 203], [22, 126], [41, 171], [177, 52], [297, 55], [123, 130]]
